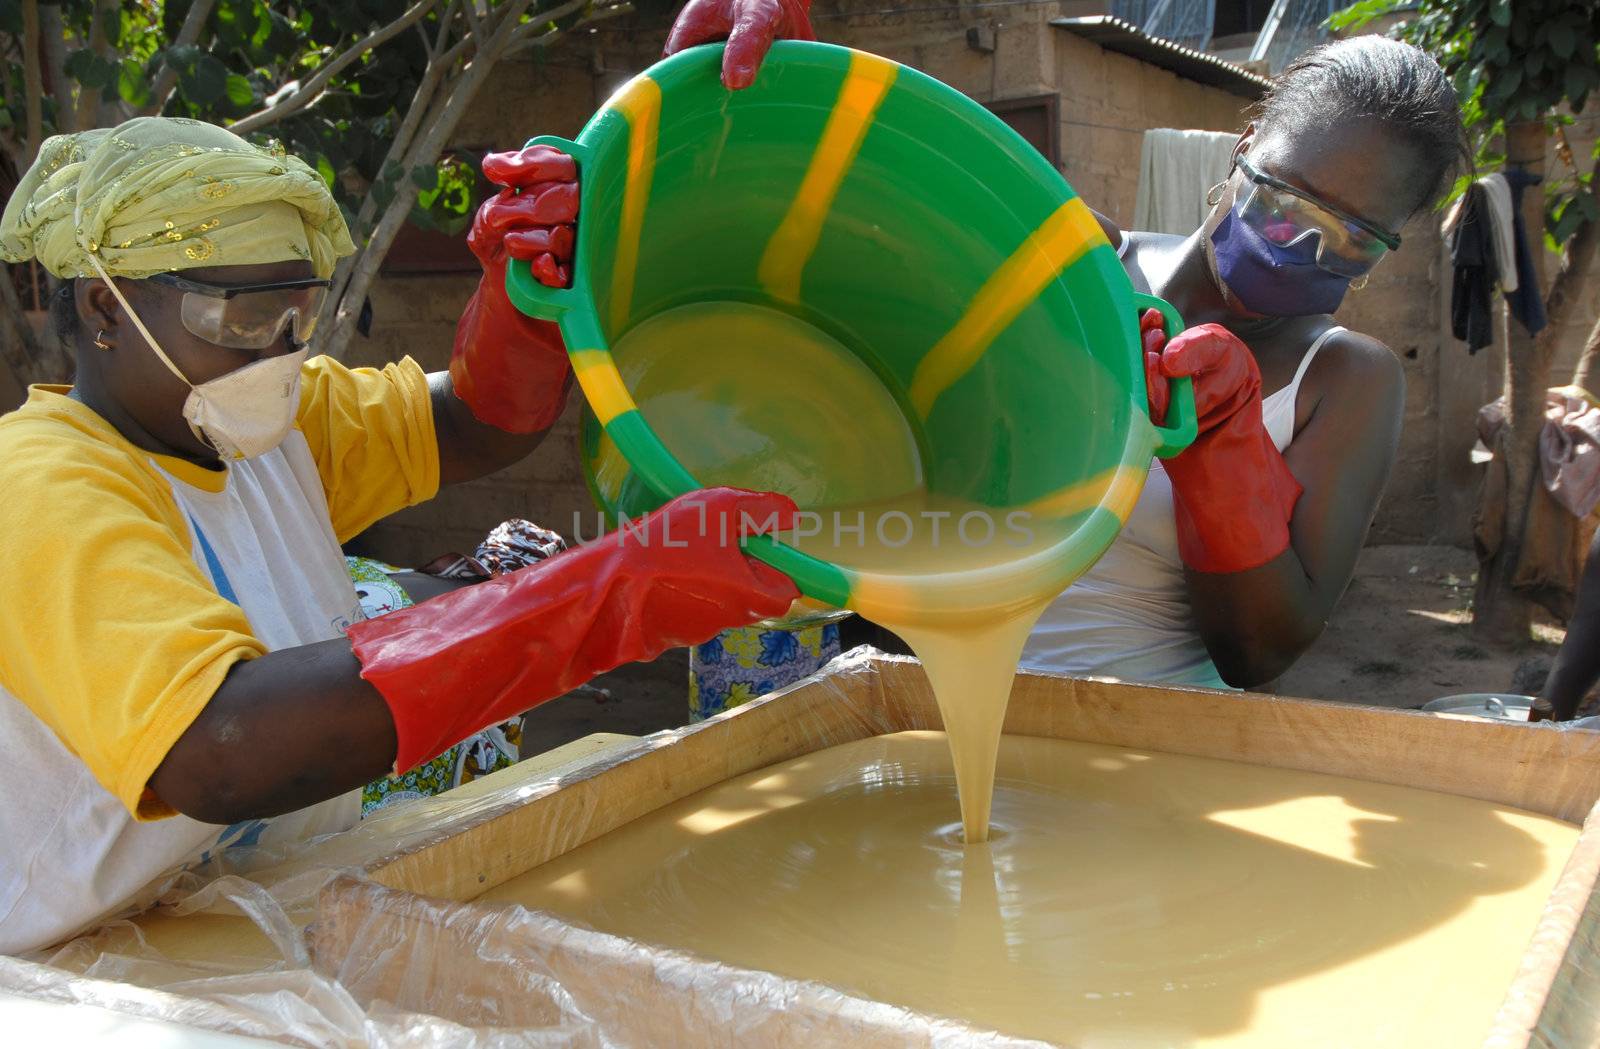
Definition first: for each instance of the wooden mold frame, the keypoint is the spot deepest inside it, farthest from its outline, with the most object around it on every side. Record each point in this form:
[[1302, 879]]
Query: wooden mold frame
[[426, 889]]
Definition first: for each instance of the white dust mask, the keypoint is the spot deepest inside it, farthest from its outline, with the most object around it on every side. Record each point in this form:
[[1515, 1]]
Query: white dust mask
[[242, 414]]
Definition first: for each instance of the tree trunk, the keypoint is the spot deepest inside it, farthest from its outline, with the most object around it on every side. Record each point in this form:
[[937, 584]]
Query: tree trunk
[[1499, 613], [1587, 373], [30, 358], [31, 85]]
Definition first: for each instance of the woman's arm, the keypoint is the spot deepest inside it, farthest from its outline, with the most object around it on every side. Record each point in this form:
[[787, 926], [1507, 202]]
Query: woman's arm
[[1577, 665], [468, 447], [286, 730], [293, 727], [1256, 623], [509, 375]]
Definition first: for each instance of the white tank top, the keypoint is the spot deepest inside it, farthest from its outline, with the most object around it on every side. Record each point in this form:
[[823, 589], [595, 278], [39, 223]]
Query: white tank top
[[1129, 617]]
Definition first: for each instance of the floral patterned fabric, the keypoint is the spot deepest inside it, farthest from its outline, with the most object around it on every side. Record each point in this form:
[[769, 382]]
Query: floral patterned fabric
[[493, 748], [739, 665]]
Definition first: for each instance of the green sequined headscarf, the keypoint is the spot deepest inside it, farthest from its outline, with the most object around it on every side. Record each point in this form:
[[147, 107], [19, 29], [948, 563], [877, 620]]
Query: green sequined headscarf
[[158, 194]]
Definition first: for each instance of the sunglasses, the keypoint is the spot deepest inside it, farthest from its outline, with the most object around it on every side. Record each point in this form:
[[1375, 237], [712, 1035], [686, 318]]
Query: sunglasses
[[249, 316], [1346, 245]]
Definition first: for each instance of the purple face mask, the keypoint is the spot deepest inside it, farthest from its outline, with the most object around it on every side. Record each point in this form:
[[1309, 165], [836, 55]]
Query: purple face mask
[[1274, 281]]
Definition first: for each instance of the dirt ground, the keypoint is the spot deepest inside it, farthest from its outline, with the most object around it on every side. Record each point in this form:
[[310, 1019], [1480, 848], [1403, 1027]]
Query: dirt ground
[[1399, 639]]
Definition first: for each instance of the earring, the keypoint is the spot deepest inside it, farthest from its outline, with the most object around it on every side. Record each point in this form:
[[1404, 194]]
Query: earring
[[100, 340], [1214, 194], [1360, 282]]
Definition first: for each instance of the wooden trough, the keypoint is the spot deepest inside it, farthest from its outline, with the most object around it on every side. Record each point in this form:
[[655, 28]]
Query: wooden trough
[[494, 964]]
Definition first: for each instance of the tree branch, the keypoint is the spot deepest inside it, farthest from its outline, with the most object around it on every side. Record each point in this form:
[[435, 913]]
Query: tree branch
[[436, 131], [188, 35], [30, 358], [423, 101], [53, 53], [32, 83], [1572, 278], [535, 26], [311, 89], [21, 350], [526, 41], [446, 17], [469, 10], [1588, 371]]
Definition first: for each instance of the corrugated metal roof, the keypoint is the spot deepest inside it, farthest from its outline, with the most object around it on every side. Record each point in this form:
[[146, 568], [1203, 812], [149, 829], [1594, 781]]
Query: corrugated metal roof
[[1125, 38]]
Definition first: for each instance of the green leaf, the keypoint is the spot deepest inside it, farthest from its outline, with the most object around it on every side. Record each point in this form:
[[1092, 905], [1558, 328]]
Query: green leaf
[[1566, 223], [1562, 40], [263, 26], [205, 82], [88, 69], [239, 91], [1578, 82], [1359, 14], [382, 194], [325, 169], [132, 85], [425, 176], [1506, 83], [1589, 204], [111, 24]]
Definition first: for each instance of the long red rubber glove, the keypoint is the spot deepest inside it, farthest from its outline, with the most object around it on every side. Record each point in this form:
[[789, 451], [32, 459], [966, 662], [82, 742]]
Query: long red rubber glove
[[749, 26], [1233, 494], [454, 665], [509, 368]]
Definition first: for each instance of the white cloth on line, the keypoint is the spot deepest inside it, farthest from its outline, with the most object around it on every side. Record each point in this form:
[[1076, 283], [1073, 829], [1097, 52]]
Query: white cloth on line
[[1497, 191], [1176, 169]]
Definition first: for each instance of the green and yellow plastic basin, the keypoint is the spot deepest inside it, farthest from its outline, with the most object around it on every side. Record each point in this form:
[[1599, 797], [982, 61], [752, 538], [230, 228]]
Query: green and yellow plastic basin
[[913, 226]]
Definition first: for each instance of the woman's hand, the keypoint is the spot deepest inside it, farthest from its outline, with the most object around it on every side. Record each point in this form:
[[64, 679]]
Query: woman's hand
[[533, 218], [678, 577], [1232, 491], [749, 27], [510, 369]]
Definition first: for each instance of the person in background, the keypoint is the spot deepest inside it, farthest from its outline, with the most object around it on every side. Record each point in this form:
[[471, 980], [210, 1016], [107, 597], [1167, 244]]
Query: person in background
[[1577, 664], [746, 663], [184, 664], [1238, 549]]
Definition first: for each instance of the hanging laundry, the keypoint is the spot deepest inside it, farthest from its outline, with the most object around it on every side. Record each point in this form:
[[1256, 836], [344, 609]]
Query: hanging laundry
[[1527, 302], [1176, 169], [1502, 226], [1472, 255], [1569, 449]]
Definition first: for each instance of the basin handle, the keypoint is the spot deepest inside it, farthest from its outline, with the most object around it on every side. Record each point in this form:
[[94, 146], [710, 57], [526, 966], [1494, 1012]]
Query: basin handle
[[1182, 422], [524, 291]]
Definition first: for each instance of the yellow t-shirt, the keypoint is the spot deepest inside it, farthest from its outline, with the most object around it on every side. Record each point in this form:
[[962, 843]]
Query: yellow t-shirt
[[115, 637], [114, 628]]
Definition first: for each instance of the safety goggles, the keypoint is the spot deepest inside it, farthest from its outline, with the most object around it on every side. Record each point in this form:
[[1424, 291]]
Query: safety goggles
[[249, 316], [1346, 245]]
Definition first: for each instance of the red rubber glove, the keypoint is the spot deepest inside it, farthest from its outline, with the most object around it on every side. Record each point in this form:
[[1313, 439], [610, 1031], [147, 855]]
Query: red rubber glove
[[454, 665], [509, 368], [1233, 494], [749, 26]]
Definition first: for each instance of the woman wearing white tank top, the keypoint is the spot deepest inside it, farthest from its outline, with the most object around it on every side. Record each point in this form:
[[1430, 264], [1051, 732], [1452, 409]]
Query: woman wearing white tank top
[[1237, 550]]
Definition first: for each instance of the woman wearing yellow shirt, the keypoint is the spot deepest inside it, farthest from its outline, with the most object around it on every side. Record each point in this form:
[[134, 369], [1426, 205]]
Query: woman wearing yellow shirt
[[181, 647]]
